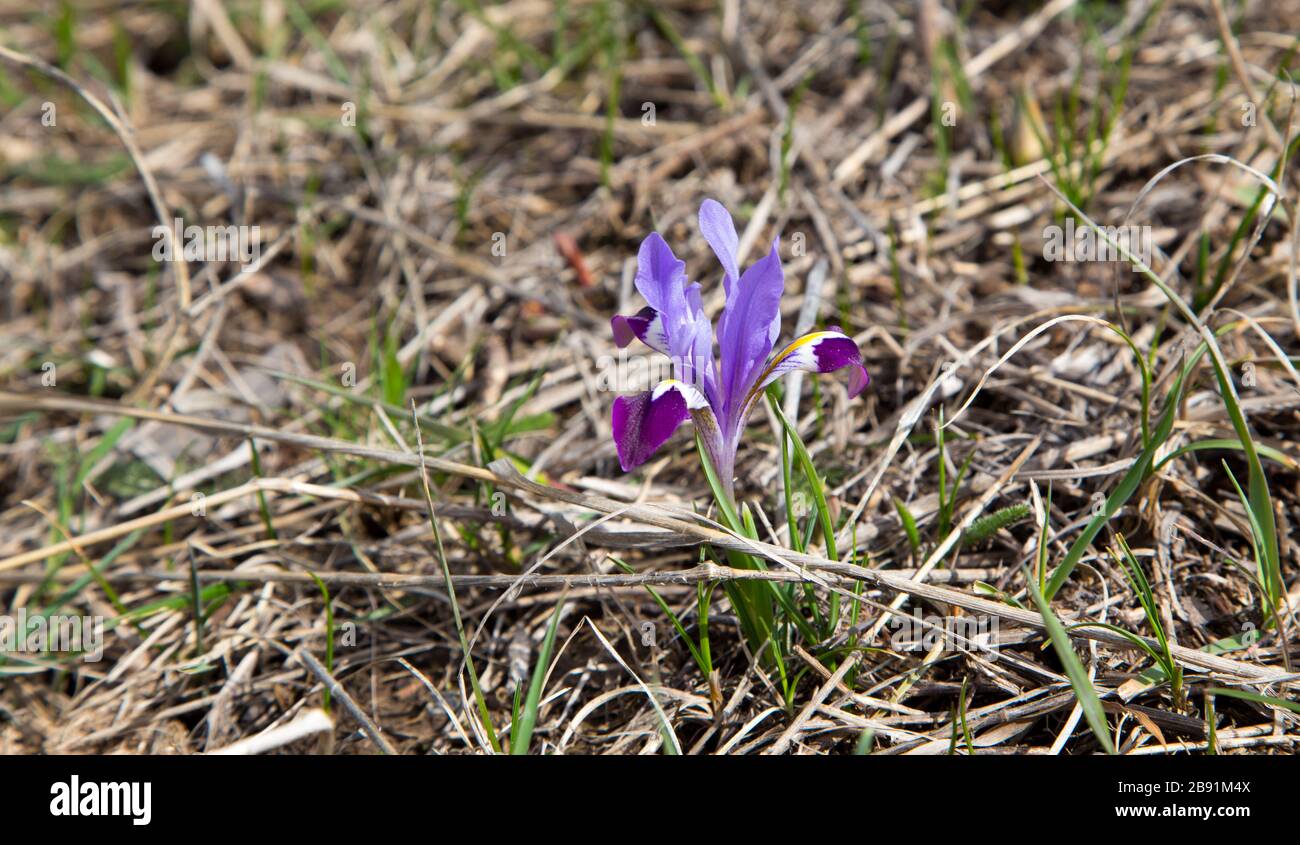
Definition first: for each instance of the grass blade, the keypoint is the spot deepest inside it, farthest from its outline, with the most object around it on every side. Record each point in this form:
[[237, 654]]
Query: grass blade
[[1083, 689], [522, 733]]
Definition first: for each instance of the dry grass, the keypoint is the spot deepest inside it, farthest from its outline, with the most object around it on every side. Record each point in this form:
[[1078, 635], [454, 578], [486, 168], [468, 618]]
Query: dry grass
[[478, 226]]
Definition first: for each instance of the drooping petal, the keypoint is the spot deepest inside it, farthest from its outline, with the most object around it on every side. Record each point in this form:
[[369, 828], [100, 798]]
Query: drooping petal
[[749, 324], [816, 352], [645, 325], [643, 422]]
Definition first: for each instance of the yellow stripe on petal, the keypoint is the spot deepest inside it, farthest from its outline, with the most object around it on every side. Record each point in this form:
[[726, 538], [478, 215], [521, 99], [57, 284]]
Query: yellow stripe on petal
[[803, 342], [815, 352]]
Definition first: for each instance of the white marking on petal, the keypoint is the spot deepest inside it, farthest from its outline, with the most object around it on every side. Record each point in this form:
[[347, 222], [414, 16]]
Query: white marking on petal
[[694, 398], [655, 336], [801, 354]]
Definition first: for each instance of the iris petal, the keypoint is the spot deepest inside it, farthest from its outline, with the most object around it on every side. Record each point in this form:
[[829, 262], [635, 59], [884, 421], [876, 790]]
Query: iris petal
[[645, 325], [661, 276], [644, 421], [719, 230], [747, 327], [817, 352], [674, 324]]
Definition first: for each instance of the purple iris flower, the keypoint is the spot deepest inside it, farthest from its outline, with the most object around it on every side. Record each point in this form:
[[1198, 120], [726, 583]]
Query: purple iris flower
[[717, 397]]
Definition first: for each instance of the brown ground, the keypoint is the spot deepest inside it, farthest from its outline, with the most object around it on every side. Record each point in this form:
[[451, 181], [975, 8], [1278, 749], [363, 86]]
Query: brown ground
[[441, 226]]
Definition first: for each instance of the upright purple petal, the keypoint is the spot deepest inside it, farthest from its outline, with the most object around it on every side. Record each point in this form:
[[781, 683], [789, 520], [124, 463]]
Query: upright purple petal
[[644, 421], [719, 230], [661, 277], [674, 324], [696, 367], [749, 323]]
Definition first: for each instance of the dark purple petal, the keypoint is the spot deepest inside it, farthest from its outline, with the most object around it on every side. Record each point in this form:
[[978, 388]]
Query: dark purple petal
[[645, 325], [622, 329], [749, 323], [644, 421]]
